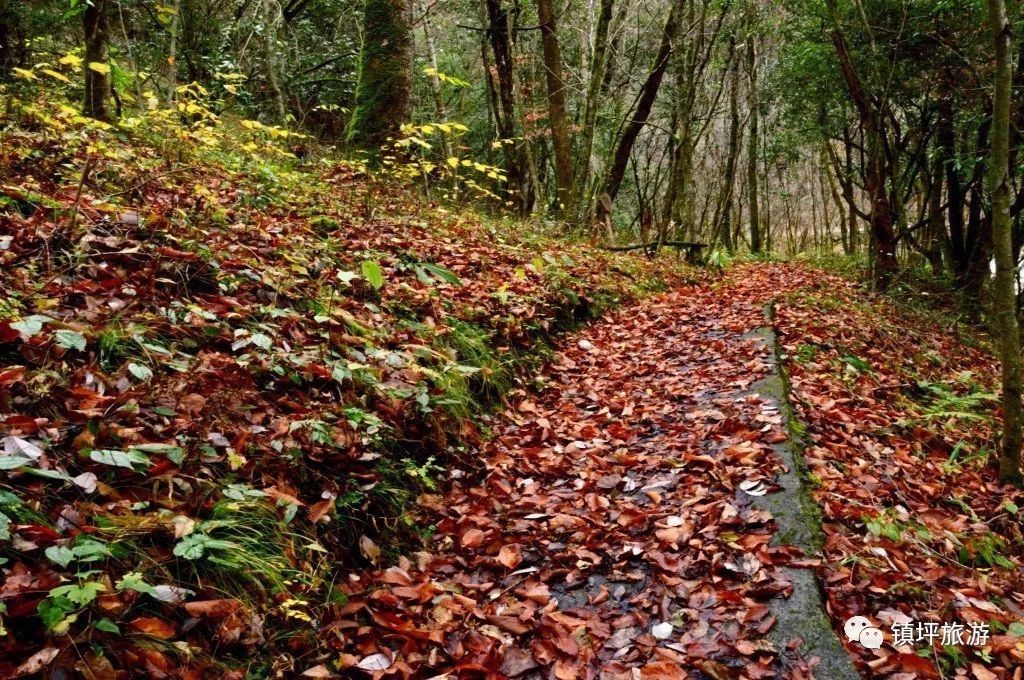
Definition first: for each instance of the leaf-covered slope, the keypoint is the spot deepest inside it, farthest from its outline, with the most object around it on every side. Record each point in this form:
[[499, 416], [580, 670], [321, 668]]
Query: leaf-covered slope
[[223, 369]]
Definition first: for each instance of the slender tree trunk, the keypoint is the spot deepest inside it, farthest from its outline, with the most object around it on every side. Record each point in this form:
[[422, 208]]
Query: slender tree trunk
[[97, 60], [1004, 294], [272, 15], [753, 131], [556, 104], [586, 150], [435, 80], [946, 147], [723, 213], [172, 54], [384, 90], [499, 32], [638, 119]]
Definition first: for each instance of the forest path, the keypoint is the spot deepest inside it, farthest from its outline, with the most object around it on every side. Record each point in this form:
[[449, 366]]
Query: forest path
[[623, 521]]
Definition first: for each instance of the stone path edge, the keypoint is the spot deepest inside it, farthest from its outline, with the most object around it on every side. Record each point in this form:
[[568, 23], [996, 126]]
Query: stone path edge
[[798, 518]]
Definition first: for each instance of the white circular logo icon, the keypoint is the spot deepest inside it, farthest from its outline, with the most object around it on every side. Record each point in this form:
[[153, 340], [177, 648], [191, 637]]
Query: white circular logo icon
[[855, 626], [871, 638]]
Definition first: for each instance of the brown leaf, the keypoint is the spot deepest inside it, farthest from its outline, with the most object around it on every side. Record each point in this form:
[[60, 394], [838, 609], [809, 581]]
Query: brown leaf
[[150, 625]]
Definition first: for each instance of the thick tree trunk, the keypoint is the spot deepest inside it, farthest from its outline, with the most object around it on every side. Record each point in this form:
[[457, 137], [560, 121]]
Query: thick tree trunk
[[1005, 295], [12, 37], [883, 218], [384, 91], [638, 119], [556, 104], [754, 132], [97, 60]]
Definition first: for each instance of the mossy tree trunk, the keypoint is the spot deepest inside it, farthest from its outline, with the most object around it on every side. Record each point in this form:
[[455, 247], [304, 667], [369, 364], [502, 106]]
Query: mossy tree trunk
[[12, 37], [384, 91], [1002, 224], [556, 104], [753, 132], [97, 60]]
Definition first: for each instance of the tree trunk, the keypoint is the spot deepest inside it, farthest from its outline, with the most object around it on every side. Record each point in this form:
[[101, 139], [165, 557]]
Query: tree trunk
[[638, 119], [435, 80], [500, 34], [12, 37], [753, 131], [883, 218], [384, 90], [597, 70], [97, 60], [723, 211], [946, 147], [172, 54], [556, 104], [272, 15], [1004, 295]]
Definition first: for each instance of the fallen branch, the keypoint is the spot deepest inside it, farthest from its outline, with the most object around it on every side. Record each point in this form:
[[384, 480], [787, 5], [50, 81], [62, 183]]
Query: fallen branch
[[689, 245]]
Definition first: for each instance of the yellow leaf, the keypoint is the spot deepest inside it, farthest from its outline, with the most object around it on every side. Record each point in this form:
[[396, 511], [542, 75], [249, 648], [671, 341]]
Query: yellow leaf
[[72, 60], [99, 67], [453, 162], [59, 76], [26, 75]]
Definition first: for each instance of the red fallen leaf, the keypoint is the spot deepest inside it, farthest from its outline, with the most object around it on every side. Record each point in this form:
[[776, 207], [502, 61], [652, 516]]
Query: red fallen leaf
[[510, 555], [26, 424], [12, 375], [321, 510], [153, 626], [982, 673], [472, 538], [662, 670], [566, 670], [510, 624], [516, 662], [212, 608]]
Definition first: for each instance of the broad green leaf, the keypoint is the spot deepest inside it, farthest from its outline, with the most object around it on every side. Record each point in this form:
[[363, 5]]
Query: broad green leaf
[[118, 458], [31, 325], [79, 593], [69, 339], [53, 611], [107, 626], [13, 462], [58, 554], [133, 581], [194, 546], [140, 371], [373, 274], [442, 273]]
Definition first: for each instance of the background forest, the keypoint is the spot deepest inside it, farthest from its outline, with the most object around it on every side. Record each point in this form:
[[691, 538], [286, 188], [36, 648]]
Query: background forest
[[745, 125]]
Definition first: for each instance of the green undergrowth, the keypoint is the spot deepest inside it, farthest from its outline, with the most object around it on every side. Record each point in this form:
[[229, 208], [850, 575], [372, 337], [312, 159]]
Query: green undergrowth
[[229, 366]]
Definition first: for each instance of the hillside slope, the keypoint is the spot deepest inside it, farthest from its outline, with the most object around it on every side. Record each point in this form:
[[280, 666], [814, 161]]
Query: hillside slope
[[226, 372]]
